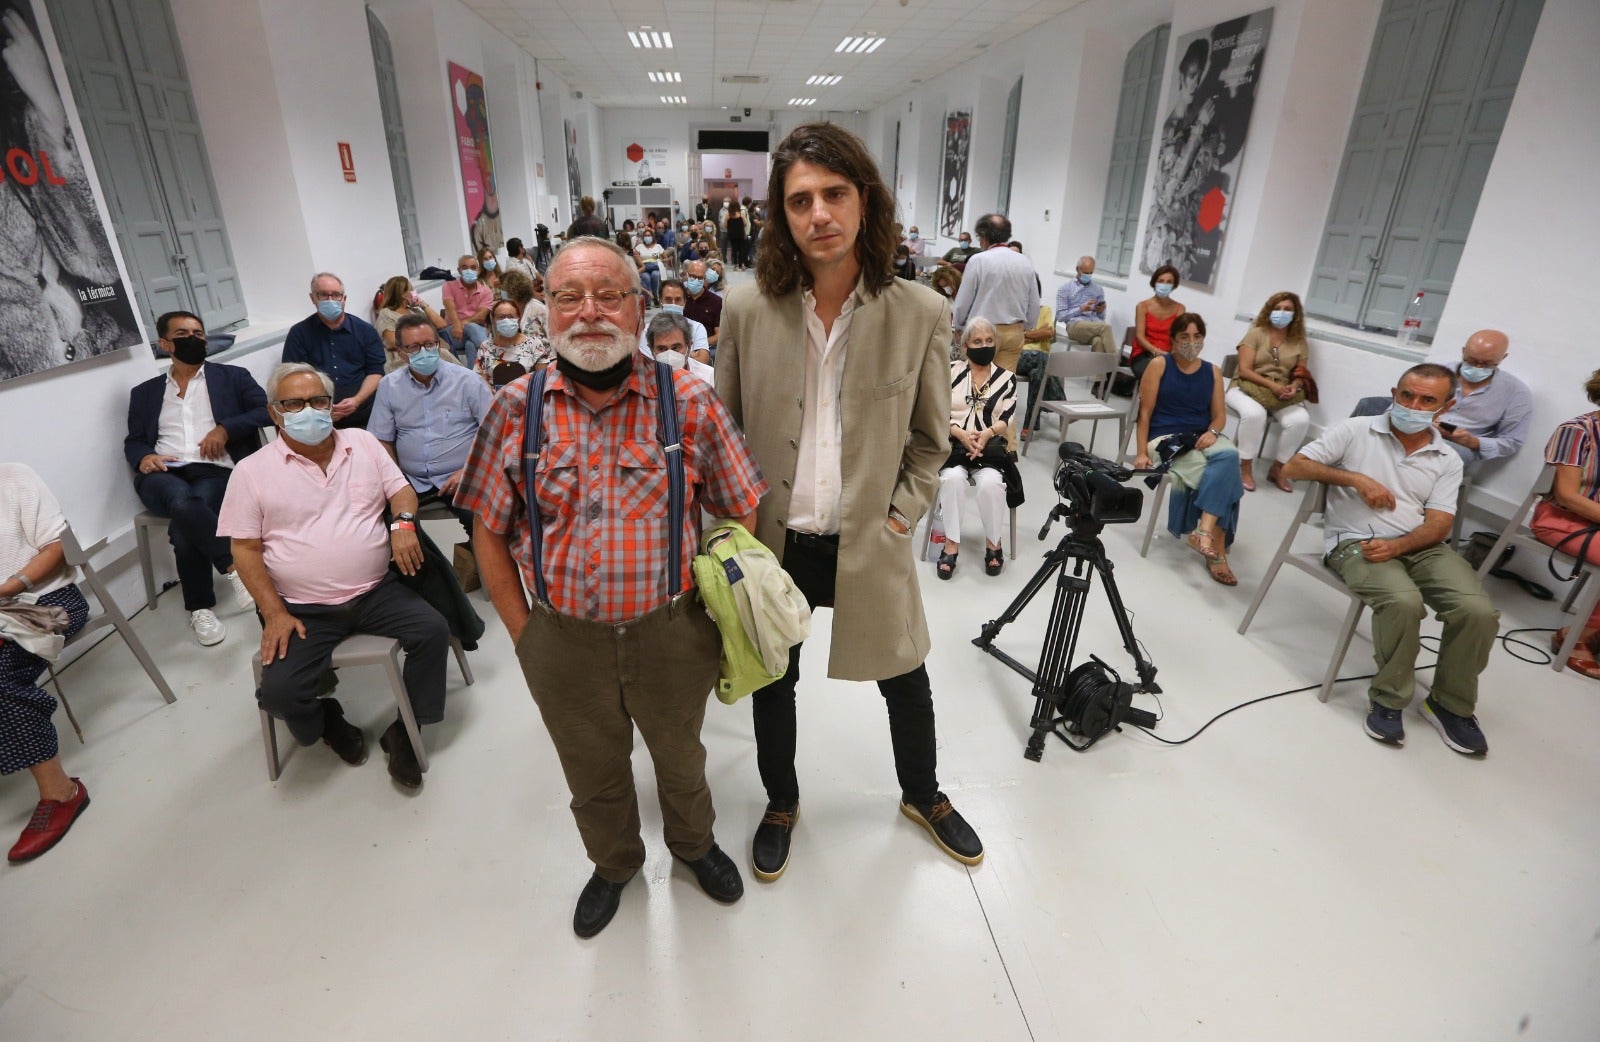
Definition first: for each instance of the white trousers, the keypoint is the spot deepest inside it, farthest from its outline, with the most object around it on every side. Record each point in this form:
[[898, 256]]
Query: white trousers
[[1292, 421], [990, 490]]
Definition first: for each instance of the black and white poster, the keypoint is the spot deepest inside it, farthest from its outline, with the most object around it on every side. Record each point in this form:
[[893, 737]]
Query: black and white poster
[[61, 297], [574, 172], [1209, 101], [953, 185]]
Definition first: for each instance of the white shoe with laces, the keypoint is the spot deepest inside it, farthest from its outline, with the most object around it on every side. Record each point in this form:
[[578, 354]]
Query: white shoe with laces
[[208, 630], [241, 594]]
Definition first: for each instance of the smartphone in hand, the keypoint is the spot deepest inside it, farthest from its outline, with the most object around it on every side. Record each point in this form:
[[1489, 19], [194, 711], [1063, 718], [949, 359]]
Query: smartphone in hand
[[1448, 428]]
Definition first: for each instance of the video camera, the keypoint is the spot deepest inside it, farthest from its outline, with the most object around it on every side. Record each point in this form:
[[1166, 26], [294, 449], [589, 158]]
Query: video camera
[[1092, 492]]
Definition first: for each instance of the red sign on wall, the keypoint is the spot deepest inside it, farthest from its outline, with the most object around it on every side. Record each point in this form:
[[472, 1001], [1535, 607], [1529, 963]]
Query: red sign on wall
[[347, 162]]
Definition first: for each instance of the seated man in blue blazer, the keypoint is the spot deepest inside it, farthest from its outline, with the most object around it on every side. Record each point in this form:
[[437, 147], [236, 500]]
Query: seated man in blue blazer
[[186, 430]]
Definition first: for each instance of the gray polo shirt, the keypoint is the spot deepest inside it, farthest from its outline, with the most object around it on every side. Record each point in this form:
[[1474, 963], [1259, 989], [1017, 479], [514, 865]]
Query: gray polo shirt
[[1427, 479]]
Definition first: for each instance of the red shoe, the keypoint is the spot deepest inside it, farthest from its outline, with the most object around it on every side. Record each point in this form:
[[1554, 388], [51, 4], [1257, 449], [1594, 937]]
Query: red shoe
[[51, 820]]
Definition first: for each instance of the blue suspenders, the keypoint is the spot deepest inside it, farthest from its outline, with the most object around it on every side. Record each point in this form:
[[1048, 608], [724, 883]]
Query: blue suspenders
[[667, 434]]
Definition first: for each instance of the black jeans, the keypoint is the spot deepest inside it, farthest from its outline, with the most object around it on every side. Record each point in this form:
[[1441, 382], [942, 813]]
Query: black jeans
[[289, 685], [433, 495], [190, 496], [812, 562]]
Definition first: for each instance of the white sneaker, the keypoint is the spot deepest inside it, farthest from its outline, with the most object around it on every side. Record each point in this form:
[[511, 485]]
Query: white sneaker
[[207, 629], [241, 594]]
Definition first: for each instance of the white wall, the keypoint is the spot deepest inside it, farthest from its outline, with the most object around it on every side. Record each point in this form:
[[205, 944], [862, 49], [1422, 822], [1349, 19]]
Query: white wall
[[1536, 211]]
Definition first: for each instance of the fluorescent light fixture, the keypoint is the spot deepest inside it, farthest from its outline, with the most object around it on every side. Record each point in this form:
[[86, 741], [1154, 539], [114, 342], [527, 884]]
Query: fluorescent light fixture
[[666, 77], [798, 102], [823, 81], [650, 39], [674, 100], [860, 44]]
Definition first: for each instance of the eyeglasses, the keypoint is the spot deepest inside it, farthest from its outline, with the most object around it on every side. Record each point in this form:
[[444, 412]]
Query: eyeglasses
[[410, 349], [323, 295], [606, 301], [321, 401]]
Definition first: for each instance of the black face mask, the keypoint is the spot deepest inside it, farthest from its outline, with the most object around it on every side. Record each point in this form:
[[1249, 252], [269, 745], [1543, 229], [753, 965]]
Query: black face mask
[[980, 355], [604, 380], [190, 350]]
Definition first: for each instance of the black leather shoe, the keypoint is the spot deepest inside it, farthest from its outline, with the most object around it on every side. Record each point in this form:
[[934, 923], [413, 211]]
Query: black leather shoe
[[596, 905], [403, 765], [718, 876], [769, 851], [947, 827], [341, 735]]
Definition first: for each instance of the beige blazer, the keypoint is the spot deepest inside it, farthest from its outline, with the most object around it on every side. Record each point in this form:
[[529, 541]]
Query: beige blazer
[[896, 417]]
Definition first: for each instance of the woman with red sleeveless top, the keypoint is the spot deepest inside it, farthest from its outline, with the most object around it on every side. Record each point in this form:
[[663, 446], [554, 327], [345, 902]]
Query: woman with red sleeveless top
[[1152, 320]]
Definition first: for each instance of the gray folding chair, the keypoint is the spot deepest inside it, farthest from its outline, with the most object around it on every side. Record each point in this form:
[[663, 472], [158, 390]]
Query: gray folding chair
[[143, 524], [363, 649], [80, 558], [1310, 514], [1072, 365], [1585, 591]]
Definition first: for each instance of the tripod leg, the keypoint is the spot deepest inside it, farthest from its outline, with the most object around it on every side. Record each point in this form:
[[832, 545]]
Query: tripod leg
[[1055, 656], [991, 629], [1145, 668]]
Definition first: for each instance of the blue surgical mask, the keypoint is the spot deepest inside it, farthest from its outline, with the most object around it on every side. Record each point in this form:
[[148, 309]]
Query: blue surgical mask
[[1280, 319], [1085, 279], [330, 309], [506, 326], [1409, 421], [425, 362], [676, 309], [711, 277], [308, 426], [1476, 374], [648, 239], [694, 286], [965, 243], [469, 276], [912, 236], [490, 265], [1163, 289]]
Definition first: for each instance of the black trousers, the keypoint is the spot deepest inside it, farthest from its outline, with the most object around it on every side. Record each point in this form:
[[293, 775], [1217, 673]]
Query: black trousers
[[433, 495], [190, 497], [289, 685], [812, 561]]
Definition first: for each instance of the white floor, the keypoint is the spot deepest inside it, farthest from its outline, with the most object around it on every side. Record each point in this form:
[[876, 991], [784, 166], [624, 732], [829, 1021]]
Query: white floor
[[1282, 877]]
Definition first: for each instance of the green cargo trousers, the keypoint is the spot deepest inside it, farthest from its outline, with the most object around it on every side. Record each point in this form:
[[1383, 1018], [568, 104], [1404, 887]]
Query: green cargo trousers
[[1399, 591]]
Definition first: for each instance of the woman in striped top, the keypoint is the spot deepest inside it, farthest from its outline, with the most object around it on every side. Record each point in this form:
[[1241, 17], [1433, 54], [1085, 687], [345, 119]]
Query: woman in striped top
[[983, 398], [1573, 507]]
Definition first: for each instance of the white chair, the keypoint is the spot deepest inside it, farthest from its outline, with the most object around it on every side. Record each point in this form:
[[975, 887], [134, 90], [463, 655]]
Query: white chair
[[81, 558], [143, 523], [1585, 592], [1072, 365], [362, 649], [1312, 508], [1157, 497]]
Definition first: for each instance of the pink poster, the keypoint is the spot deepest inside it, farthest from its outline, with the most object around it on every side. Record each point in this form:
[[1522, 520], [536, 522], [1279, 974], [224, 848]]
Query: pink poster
[[477, 158]]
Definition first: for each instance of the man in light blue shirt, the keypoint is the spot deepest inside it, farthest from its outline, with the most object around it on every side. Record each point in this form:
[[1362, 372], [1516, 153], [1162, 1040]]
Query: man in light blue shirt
[[427, 415], [1490, 417], [1081, 308]]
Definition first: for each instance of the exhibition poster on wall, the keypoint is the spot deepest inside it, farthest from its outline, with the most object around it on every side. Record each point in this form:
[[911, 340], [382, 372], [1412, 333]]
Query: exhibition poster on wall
[[477, 158], [647, 157], [1209, 101], [953, 183], [574, 172], [62, 299]]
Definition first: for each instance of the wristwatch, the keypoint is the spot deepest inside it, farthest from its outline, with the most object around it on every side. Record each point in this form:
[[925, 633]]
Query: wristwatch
[[406, 516]]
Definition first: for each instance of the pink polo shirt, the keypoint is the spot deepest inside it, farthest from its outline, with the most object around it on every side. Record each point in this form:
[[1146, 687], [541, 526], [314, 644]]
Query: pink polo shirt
[[323, 536], [469, 302]]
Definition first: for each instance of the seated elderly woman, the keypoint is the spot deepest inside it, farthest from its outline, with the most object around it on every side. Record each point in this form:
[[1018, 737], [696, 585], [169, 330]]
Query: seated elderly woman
[[38, 582], [528, 295], [1180, 424], [509, 352], [1572, 510], [983, 401]]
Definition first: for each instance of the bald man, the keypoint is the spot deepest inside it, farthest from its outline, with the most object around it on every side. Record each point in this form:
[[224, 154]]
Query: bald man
[[1489, 419], [1081, 307]]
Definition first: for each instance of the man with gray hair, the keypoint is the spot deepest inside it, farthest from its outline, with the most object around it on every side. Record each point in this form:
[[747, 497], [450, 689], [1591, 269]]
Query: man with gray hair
[[668, 337], [341, 345], [1081, 307], [306, 517], [587, 481]]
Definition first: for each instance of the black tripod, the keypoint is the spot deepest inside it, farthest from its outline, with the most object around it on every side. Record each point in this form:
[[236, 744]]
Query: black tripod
[[1075, 561]]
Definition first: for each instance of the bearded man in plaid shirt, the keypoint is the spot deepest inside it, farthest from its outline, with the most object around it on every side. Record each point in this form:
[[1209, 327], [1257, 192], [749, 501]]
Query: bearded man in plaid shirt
[[609, 643]]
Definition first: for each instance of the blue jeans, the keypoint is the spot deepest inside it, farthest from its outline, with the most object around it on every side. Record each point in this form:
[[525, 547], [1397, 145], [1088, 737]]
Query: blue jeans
[[651, 277], [473, 336], [190, 497]]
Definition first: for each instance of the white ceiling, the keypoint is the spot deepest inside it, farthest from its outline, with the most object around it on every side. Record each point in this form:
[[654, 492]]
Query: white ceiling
[[585, 42]]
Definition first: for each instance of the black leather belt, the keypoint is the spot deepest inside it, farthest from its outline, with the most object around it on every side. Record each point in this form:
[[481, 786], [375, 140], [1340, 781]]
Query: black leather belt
[[828, 544]]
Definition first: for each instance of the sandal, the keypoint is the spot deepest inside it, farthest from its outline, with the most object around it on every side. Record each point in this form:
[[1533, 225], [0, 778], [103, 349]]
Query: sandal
[[994, 558], [946, 566], [1220, 572], [1205, 549]]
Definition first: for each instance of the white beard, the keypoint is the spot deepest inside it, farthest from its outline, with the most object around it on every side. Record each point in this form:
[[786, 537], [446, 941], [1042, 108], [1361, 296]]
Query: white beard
[[594, 356]]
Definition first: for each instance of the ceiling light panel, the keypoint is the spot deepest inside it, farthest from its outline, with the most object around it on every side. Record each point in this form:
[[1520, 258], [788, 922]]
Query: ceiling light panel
[[822, 81], [802, 102], [674, 100], [650, 39], [666, 77]]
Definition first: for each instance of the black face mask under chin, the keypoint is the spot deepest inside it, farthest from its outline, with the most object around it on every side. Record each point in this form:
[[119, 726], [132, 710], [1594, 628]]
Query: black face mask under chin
[[603, 380]]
